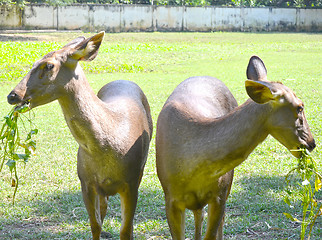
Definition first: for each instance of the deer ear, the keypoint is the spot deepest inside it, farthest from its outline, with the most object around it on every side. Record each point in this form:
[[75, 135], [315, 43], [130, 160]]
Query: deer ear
[[87, 49], [256, 69], [261, 92], [74, 42]]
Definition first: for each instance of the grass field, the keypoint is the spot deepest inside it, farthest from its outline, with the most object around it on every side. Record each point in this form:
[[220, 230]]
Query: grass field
[[49, 203]]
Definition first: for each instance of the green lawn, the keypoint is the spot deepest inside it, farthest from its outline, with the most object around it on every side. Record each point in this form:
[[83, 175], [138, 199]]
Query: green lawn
[[49, 203]]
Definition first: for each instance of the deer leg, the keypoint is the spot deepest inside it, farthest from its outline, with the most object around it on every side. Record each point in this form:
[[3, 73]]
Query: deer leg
[[103, 210], [216, 211], [198, 215], [176, 220], [103, 206], [216, 208], [92, 204], [128, 205], [220, 231]]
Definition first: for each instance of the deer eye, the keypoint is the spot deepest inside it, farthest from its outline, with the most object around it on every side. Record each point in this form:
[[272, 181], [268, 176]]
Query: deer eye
[[49, 66], [300, 109]]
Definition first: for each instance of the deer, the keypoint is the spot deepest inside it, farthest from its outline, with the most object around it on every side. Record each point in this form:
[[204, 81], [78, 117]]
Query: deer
[[113, 128], [202, 135]]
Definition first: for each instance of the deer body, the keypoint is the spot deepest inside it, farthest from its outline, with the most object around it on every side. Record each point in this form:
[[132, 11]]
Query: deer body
[[202, 136], [113, 129]]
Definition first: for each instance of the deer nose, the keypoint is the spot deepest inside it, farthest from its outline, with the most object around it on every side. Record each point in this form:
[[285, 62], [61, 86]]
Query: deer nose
[[13, 98], [311, 145]]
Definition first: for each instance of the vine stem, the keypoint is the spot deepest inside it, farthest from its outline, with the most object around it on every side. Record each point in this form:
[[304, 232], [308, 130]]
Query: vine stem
[[16, 186]]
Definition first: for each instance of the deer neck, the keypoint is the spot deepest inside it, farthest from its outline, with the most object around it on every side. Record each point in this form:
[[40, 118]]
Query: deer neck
[[237, 134], [85, 114]]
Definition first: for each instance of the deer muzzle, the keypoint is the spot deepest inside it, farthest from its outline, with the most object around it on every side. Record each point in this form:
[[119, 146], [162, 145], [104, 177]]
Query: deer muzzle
[[13, 98], [310, 145]]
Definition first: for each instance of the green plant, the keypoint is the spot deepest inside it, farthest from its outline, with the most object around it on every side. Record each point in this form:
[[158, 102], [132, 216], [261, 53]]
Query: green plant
[[307, 171], [12, 144]]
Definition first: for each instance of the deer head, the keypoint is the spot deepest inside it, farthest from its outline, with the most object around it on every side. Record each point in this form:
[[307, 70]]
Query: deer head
[[49, 77], [287, 122]]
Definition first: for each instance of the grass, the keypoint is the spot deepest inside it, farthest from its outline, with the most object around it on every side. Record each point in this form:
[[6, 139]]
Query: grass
[[49, 203]]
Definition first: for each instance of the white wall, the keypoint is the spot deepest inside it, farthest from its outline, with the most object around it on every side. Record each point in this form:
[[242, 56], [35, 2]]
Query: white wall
[[36, 16], [200, 18], [168, 18], [123, 18], [10, 16]]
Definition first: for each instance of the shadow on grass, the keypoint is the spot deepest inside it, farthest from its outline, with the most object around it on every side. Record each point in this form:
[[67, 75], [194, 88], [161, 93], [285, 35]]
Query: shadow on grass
[[254, 211], [14, 38], [63, 215]]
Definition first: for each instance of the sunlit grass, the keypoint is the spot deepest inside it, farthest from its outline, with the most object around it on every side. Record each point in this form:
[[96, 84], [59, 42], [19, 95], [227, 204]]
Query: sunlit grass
[[49, 203]]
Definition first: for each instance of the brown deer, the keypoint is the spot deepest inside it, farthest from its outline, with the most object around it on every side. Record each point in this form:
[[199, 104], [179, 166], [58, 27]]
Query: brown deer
[[113, 129], [202, 135]]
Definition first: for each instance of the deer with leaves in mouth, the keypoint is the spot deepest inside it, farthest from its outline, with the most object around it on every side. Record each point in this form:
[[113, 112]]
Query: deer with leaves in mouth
[[202, 135], [113, 128]]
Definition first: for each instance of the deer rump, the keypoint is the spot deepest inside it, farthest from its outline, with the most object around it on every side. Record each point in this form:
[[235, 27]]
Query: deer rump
[[197, 100], [184, 165]]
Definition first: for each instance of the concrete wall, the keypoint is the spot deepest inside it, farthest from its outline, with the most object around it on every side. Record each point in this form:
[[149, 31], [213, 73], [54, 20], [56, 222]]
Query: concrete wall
[[123, 18]]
